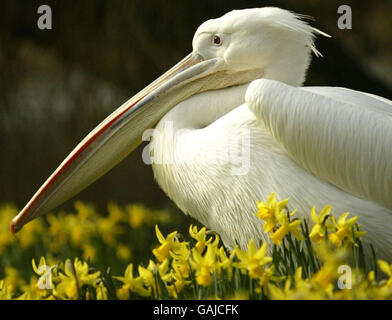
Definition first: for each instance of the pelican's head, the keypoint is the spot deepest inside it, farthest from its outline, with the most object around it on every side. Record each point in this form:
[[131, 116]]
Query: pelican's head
[[235, 49], [274, 40]]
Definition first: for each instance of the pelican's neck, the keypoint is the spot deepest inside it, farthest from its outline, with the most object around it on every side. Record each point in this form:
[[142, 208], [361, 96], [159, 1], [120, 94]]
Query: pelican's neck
[[201, 110], [182, 133], [292, 71], [288, 62]]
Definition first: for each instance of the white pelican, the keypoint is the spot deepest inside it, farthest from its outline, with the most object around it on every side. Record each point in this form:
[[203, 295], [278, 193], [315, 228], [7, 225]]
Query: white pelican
[[239, 94]]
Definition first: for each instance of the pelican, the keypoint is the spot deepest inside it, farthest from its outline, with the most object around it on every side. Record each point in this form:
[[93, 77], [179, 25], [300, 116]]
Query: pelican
[[232, 123]]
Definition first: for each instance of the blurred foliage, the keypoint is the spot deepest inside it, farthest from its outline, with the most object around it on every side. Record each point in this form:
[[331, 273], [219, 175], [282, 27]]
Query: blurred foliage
[[109, 238]]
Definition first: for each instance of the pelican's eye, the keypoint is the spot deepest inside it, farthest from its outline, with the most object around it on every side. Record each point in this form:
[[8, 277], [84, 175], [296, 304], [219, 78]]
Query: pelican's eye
[[217, 40]]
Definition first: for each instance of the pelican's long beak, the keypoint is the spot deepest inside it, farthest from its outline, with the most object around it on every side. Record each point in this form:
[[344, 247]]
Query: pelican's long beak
[[121, 132], [117, 136]]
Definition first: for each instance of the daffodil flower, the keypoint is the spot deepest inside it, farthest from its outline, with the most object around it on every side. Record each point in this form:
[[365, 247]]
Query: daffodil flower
[[76, 276], [224, 262], [13, 278], [130, 283], [101, 291], [84, 211], [299, 282], [108, 230], [320, 227], [285, 226], [180, 263], [89, 252], [170, 243], [5, 291], [253, 260], [277, 221], [137, 215], [116, 214], [123, 252], [269, 211], [200, 236], [204, 265], [148, 274], [387, 269], [344, 229], [176, 287], [325, 277], [45, 272], [32, 291]]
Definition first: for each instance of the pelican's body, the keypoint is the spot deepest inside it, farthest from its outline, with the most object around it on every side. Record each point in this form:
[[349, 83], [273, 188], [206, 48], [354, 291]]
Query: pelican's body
[[235, 125], [226, 202]]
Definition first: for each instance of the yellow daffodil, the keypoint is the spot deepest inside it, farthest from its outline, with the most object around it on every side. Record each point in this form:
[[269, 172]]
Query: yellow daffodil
[[29, 236], [116, 214], [84, 211], [76, 276], [148, 274], [205, 265], [325, 277], [253, 260], [320, 227], [130, 283], [123, 252], [34, 291], [101, 291], [137, 215], [123, 292], [170, 243], [200, 236], [286, 226], [45, 280], [89, 252], [224, 262], [180, 263], [5, 291], [13, 279], [109, 230], [67, 288], [344, 230], [269, 211], [277, 221], [177, 286], [57, 231], [387, 269]]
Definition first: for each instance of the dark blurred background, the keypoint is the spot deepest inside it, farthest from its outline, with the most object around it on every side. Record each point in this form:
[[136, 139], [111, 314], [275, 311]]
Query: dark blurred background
[[57, 85]]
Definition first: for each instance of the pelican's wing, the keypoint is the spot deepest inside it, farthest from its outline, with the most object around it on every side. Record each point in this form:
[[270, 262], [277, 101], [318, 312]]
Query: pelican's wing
[[339, 135]]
